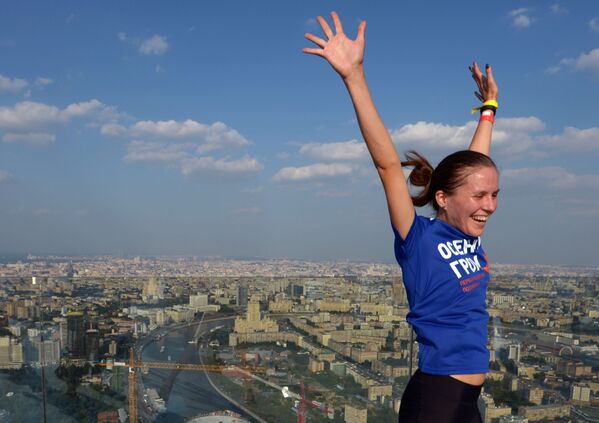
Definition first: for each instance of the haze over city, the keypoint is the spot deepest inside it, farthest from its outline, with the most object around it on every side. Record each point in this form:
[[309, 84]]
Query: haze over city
[[201, 129]]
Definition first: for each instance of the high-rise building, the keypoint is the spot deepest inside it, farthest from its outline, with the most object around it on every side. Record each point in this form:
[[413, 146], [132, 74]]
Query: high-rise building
[[355, 414], [63, 331], [11, 353], [75, 334], [242, 296], [296, 291], [514, 352], [48, 351], [152, 291], [399, 292], [92, 345], [113, 348], [253, 314], [580, 393], [198, 301]]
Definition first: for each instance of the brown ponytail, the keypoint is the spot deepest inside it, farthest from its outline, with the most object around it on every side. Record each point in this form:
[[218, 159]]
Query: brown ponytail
[[449, 174], [420, 176]]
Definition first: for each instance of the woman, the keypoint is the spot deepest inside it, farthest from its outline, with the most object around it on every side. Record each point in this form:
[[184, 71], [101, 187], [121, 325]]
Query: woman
[[444, 268]]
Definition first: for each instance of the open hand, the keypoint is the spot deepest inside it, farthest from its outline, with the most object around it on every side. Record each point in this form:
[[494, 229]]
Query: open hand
[[487, 87], [343, 54]]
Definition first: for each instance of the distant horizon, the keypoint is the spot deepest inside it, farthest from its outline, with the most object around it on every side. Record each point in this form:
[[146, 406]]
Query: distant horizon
[[21, 256]]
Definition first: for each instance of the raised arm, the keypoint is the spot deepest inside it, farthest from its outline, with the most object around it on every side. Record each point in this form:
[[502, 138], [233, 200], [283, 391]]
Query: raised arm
[[346, 56], [487, 90]]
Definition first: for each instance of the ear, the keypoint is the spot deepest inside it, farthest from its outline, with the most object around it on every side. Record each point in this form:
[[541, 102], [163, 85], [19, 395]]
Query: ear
[[441, 199]]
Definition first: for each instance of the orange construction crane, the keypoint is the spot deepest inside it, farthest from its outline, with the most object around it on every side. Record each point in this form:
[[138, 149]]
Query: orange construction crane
[[301, 403], [134, 364]]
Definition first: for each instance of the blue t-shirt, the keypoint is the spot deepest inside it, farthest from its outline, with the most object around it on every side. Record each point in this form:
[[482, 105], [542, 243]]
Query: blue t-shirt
[[445, 273]]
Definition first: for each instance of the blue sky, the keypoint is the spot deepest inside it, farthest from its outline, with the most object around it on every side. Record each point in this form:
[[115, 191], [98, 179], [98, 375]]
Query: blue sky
[[200, 128]]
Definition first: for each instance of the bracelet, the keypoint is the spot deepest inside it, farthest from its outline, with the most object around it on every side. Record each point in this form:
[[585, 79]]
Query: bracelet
[[487, 115], [488, 107], [486, 103]]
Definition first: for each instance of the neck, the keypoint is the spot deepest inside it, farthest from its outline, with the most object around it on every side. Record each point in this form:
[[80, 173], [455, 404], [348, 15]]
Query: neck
[[442, 215]]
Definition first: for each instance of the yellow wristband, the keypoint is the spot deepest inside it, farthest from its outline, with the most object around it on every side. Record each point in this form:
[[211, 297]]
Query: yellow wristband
[[486, 103]]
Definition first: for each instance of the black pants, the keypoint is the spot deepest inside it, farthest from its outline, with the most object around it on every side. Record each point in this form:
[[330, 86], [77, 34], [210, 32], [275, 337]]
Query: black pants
[[439, 399]]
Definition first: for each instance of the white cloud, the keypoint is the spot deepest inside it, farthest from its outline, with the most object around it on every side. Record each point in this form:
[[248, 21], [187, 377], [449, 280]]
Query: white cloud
[[12, 85], [142, 151], [210, 165], [558, 10], [155, 45], [346, 150], [572, 140], [314, 171], [206, 136], [520, 19], [42, 81], [82, 109], [122, 36], [32, 122], [113, 129], [594, 24], [30, 114], [510, 134], [431, 135], [527, 124], [552, 70], [588, 62], [4, 176], [184, 156], [31, 138], [517, 12]]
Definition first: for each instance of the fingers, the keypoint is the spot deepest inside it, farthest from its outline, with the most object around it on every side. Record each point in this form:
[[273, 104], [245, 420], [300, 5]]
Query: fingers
[[325, 27], [315, 51], [316, 40], [361, 30], [489, 72], [476, 73], [337, 22]]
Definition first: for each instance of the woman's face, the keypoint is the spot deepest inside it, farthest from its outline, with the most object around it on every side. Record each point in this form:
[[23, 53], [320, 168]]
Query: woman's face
[[473, 202]]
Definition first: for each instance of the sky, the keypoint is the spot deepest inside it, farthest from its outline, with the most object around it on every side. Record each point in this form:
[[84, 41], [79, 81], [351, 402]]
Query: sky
[[200, 128]]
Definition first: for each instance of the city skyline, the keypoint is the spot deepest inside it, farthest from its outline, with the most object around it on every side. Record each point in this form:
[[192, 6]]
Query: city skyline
[[201, 129]]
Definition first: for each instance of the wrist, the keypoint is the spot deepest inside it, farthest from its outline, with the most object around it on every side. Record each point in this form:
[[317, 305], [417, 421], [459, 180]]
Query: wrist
[[487, 115], [355, 76]]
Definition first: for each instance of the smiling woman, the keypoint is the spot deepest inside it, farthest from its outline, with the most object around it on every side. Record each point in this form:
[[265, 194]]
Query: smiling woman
[[445, 270], [462, 189]]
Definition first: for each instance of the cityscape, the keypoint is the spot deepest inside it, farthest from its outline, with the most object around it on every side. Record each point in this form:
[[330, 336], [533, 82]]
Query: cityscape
[[192, 229], [116, 339]]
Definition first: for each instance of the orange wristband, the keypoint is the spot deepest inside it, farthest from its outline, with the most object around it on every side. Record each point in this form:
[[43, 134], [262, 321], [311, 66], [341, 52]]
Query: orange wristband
[[487, 115]]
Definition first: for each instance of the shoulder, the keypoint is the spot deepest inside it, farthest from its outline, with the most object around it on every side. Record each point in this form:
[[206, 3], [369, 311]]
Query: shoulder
[[419, 230]]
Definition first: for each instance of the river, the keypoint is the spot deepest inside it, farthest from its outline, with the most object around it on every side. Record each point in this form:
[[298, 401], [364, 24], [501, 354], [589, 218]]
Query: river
[[186, 393]]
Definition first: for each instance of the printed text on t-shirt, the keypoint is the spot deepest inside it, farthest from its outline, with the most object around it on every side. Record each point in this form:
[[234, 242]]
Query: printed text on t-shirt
[[457, 248]]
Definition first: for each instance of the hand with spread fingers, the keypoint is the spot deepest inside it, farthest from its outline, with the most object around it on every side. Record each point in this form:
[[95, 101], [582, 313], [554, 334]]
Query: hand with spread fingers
[[487, 87], [343, 54]]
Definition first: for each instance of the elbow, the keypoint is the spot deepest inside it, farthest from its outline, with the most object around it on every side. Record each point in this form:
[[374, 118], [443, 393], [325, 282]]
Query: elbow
[[384, 167]]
